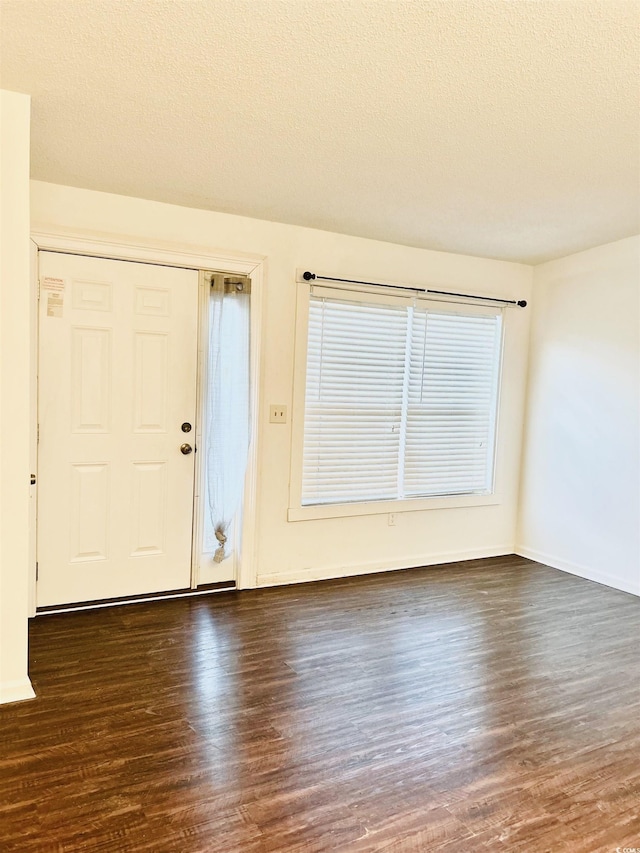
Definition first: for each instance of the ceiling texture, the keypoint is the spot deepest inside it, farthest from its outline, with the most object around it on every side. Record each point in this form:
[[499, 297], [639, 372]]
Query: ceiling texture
[[486, 127]]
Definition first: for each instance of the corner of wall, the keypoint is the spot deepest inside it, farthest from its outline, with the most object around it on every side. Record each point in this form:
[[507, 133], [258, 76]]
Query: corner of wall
[[15, 403], [579, 495]]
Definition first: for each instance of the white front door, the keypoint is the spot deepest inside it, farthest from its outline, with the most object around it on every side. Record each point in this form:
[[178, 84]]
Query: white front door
[[117, 380]]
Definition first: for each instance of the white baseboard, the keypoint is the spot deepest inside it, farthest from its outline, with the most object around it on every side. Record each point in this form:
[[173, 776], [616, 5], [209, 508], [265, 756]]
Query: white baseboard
[[323, 573], [16, 691], [580, 571]]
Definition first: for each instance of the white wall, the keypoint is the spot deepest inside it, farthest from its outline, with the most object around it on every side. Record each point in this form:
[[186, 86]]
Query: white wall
[[580, 507], [14, 395], [330, 547]]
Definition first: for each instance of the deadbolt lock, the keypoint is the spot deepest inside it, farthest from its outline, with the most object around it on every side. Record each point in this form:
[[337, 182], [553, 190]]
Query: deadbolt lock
[[186, 427]]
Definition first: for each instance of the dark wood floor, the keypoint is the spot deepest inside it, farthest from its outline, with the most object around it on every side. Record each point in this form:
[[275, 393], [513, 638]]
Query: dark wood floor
[[487, 706]]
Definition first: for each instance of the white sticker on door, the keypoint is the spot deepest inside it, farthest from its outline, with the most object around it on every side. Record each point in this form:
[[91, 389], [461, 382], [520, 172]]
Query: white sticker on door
[[54, 305], [56, 285]]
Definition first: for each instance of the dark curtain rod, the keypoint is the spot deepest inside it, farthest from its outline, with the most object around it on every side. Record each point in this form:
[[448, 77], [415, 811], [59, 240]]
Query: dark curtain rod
[[311, 276]]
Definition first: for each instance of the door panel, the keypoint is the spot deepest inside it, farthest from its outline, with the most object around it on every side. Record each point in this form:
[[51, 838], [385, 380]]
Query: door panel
[[117, 378]]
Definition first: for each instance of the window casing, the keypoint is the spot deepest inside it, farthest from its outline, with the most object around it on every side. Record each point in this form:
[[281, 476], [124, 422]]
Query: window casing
[[400, 402]]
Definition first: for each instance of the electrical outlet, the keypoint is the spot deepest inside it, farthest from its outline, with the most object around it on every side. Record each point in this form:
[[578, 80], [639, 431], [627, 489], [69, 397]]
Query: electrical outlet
[[392, 519], [278, 414]]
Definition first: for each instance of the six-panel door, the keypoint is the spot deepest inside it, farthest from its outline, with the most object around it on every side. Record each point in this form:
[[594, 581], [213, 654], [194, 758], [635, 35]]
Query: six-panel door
[[117, 379]]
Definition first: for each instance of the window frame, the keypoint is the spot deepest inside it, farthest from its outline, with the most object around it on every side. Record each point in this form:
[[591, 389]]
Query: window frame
[[299, 512]]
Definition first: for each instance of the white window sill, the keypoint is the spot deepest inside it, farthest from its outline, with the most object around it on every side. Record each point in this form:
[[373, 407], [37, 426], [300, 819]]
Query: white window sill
[[305, 513]]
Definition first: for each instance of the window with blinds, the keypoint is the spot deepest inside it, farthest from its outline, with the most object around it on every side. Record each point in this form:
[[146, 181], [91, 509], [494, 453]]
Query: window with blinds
[[401, 400]]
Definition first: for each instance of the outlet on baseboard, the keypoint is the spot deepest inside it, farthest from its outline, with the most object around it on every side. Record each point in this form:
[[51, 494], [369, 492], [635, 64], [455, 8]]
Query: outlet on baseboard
[[277, 414], [392, 519]]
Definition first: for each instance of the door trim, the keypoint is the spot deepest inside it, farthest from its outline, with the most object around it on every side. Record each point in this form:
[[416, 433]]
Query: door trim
[[121, 247], [33, 425]]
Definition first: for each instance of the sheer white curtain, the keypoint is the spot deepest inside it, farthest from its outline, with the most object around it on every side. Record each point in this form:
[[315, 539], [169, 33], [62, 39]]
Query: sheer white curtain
[[228, 418]]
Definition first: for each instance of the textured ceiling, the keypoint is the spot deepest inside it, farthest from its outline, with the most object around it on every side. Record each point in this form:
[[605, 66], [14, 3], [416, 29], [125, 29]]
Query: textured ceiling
[[501, 129]]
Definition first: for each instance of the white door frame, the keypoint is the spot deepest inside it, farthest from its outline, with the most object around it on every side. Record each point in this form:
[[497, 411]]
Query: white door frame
[[197, 258]]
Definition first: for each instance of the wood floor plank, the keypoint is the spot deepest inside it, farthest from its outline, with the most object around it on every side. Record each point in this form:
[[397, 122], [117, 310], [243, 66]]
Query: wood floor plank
[[492, 705]]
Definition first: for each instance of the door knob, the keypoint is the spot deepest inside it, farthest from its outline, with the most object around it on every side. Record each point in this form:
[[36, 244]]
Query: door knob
[[186, 449]]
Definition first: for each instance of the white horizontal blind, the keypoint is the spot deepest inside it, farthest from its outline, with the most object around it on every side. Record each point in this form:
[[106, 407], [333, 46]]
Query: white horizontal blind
[[355, 367], [453, 374], [400, 401]]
